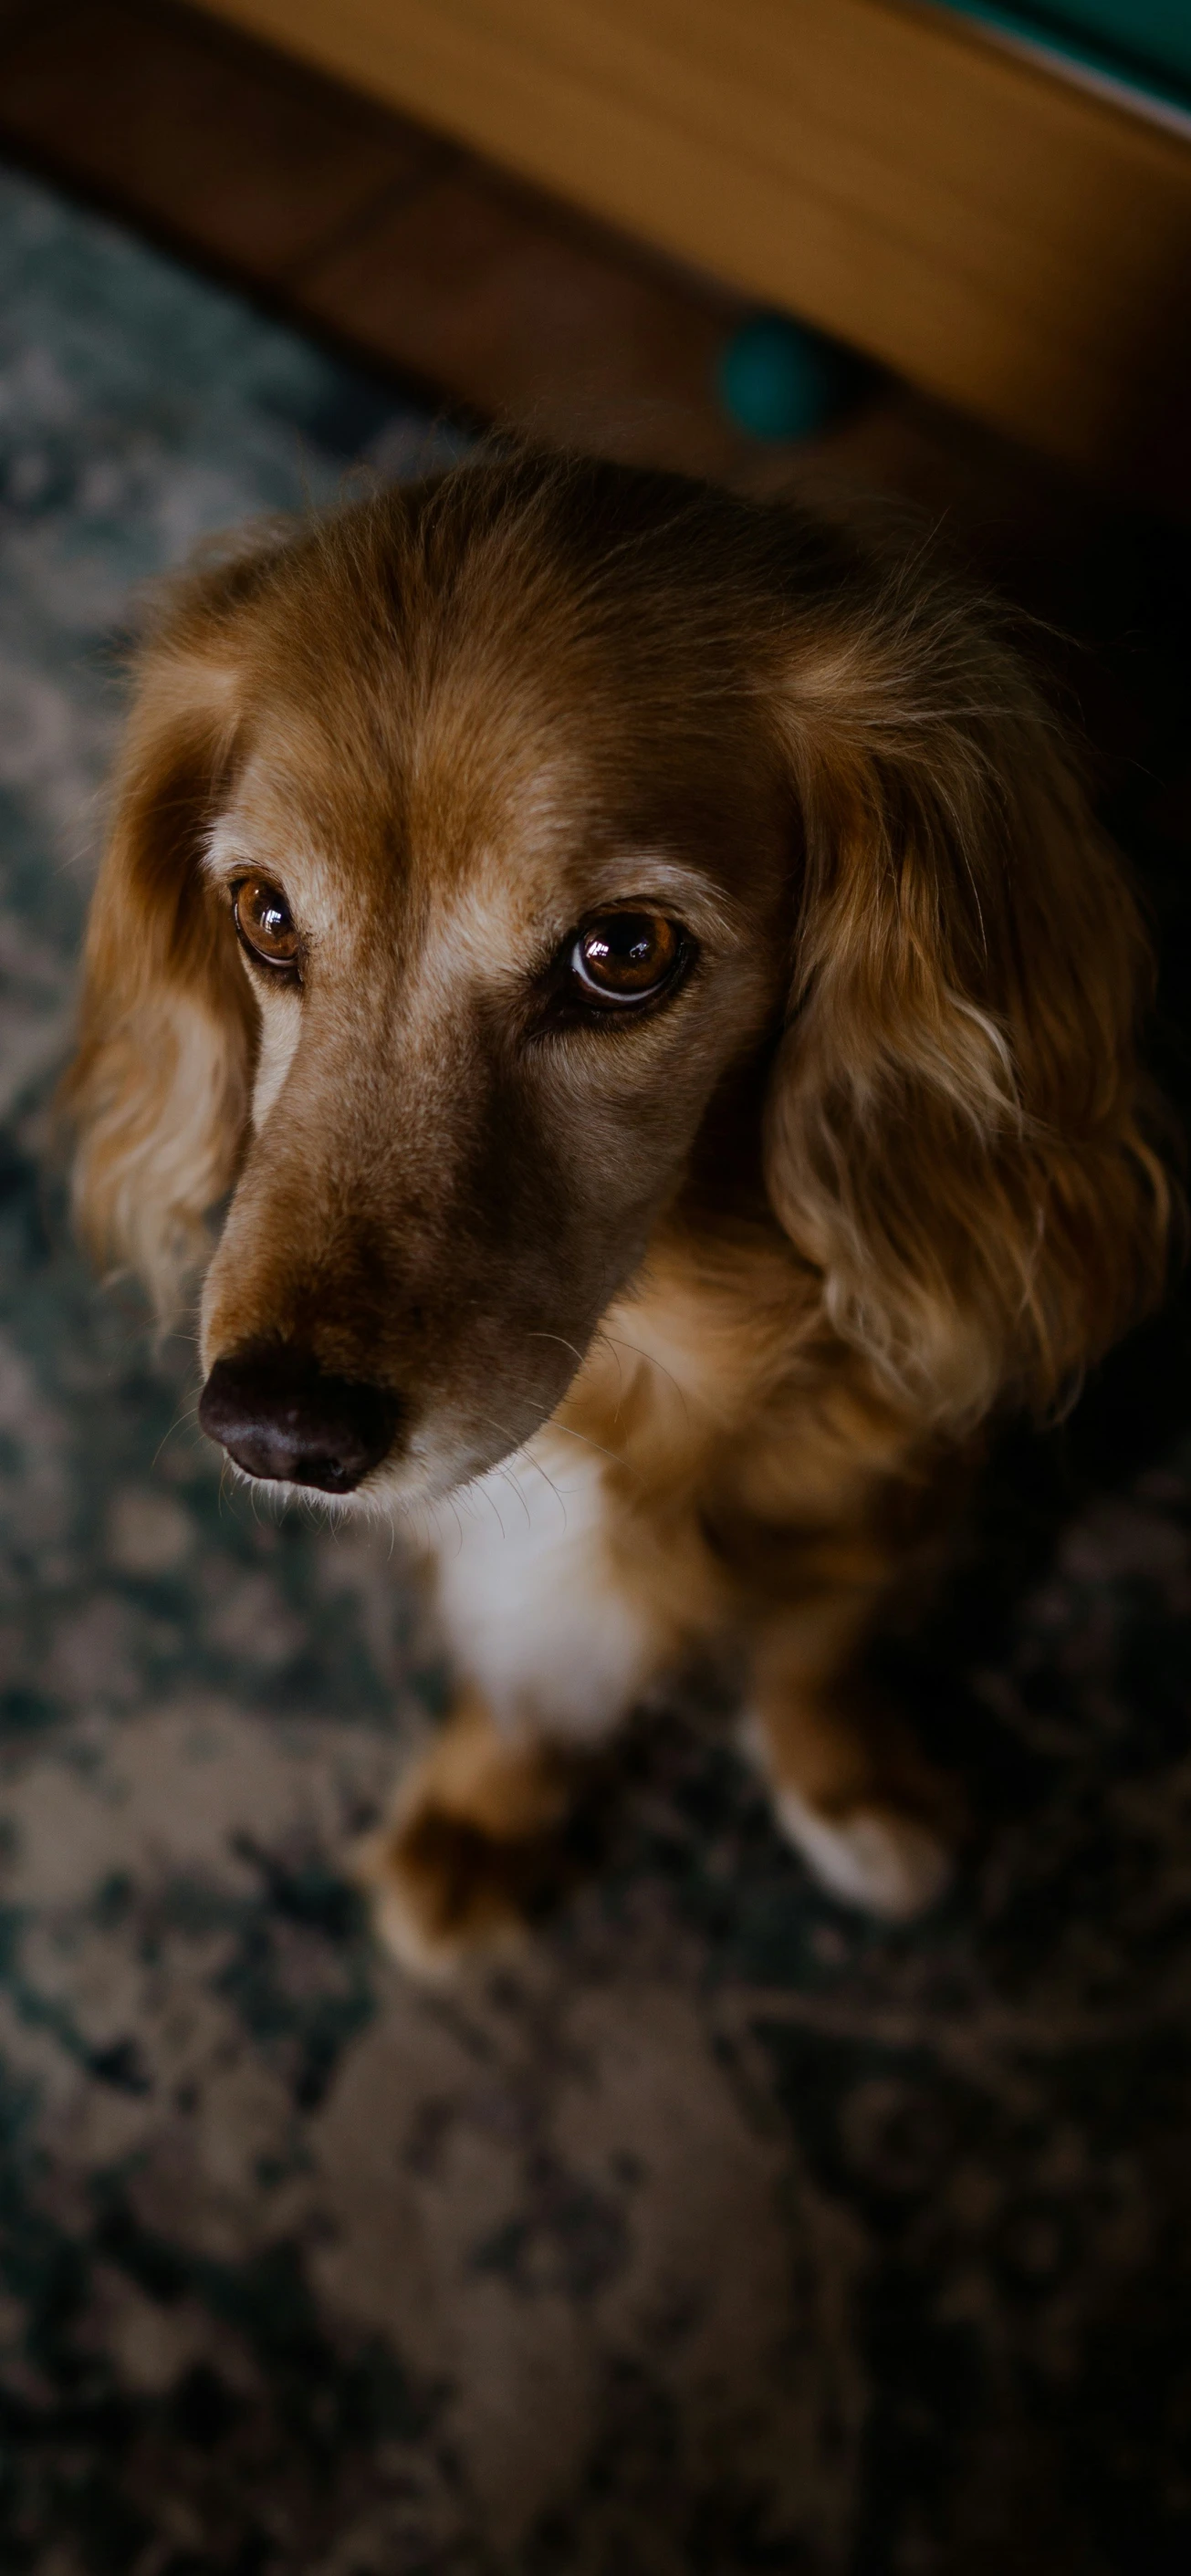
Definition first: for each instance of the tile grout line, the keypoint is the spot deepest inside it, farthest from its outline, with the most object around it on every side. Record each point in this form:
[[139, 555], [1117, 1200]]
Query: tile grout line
[[395, 193]]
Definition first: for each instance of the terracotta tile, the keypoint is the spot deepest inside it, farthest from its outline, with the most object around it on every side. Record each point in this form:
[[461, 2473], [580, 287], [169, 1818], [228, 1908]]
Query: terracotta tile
[[524, 314], [214, 140]]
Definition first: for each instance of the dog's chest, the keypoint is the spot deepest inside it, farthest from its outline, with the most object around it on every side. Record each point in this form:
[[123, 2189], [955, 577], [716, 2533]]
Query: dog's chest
[[532, 1595], [581, 1569]]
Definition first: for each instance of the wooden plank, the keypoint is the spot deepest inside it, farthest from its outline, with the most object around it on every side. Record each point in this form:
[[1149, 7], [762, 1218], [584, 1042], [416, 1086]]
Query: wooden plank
[[532, 316], [1009, 243]]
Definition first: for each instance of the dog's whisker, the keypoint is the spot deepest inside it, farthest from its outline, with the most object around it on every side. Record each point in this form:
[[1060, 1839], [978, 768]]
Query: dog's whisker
[[616, 1457], [188, 1414], [616, 1341], [556, 1490], [564, 1344], [521, 1451], [508, 1478], [553, 1424], [609, 1343]]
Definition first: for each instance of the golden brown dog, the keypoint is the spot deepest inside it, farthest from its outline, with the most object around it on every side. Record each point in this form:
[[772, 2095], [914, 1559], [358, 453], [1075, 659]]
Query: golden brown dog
[[647, 974]]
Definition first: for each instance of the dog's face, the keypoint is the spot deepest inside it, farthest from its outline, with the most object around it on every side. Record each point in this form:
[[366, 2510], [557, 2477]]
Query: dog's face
[[508, 864], [508, 925]]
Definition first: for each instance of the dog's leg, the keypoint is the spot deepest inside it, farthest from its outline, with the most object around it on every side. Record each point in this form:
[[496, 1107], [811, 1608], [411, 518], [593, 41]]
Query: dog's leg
[[476, 1846], [486, 1826], [870, 1817]]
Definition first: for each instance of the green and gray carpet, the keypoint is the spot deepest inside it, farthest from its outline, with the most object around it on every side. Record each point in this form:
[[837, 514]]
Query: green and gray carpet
[[729, 2234]]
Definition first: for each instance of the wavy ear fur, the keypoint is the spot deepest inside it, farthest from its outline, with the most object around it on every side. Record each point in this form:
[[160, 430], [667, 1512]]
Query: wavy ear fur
[[158, 1091], [957, 1135]]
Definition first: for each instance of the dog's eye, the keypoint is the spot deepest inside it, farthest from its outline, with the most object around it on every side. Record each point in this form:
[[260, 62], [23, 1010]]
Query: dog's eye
[[627, 956], [265, 923]]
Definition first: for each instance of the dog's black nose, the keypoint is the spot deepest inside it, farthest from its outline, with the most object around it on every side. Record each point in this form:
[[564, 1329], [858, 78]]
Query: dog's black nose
[[279, 1415]]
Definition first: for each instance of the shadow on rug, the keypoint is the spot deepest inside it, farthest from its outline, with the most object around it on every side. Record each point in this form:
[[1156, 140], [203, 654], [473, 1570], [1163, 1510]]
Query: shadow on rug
[[730, 2234]]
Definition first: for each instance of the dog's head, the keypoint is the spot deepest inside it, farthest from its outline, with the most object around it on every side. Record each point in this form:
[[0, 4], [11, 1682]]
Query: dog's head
[[484, 854]]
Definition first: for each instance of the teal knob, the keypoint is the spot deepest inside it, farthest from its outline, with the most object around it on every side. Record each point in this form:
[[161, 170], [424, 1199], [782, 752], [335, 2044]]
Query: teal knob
[[778, 379]]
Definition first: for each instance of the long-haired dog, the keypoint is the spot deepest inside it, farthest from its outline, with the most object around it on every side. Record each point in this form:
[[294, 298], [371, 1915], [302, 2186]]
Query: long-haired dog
[[645, 971]]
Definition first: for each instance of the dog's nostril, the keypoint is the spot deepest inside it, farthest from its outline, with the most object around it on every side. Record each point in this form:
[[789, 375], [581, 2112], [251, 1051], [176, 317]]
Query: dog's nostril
[[281, 1417]]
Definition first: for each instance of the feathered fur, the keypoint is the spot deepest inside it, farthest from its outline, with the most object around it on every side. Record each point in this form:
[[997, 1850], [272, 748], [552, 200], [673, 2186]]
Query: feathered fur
[[749, 1275]]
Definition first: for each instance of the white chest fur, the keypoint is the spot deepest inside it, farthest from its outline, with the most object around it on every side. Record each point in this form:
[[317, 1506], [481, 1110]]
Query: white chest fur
[[534, 1611]]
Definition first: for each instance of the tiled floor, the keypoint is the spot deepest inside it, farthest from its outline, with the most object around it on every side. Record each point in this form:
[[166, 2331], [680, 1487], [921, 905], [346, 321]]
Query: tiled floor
[[231, 151], [382, 235], [532, 315]]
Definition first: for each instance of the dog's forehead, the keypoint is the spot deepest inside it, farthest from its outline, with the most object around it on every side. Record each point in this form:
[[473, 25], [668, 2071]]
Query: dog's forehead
[[530, 784], [405, 828]]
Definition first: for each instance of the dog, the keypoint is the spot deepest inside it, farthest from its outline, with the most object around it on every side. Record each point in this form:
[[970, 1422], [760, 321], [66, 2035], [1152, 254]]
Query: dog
[[640, 968]]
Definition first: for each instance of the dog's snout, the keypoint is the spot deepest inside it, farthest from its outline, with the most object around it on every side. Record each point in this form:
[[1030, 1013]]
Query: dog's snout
[[281, 1416]]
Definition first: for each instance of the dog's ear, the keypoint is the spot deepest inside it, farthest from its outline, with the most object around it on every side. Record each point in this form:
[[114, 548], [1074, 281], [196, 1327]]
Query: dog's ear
[[957, 1134], [158, 1091]]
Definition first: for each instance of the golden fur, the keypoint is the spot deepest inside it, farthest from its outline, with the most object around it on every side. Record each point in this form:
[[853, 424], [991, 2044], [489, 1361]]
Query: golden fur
[[744, 1278]]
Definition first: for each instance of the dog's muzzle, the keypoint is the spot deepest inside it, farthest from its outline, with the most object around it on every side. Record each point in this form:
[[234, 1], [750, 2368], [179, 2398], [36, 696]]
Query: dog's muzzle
[[281, 1417]]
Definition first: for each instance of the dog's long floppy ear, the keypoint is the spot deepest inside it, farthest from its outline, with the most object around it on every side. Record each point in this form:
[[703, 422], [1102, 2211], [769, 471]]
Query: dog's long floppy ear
[[158, 1091], [957, 1133]]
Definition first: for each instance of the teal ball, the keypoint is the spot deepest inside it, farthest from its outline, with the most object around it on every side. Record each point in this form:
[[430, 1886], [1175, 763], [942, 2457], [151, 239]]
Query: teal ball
[[777, 379]]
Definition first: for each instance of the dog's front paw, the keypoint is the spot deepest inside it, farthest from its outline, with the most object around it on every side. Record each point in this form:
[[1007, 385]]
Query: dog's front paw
[[442, 1887], [879, 1857], [478, 1848]]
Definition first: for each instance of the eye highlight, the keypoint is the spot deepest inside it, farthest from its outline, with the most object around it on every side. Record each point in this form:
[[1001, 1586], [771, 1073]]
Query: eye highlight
[[265, 926], [627, 958]]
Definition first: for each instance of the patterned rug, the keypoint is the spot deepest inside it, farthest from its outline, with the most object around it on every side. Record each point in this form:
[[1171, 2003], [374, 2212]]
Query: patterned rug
[[729, 2233]]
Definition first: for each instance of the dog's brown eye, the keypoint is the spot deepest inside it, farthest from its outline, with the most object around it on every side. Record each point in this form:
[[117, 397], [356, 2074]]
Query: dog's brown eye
[[265, 922], [627, 956]]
